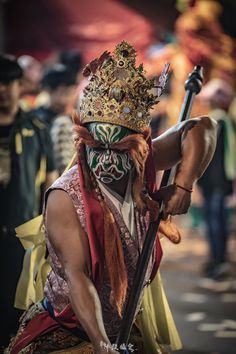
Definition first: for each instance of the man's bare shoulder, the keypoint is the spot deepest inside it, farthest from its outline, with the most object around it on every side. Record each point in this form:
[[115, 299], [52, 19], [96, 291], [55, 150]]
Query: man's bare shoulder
[[65, 232], [60, 205]]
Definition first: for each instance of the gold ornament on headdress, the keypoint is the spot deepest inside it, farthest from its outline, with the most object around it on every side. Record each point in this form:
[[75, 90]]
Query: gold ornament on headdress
[[118, 92]]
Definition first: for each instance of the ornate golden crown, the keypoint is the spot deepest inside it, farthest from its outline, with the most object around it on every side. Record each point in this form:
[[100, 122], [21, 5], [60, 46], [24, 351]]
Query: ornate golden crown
[[118, 92]]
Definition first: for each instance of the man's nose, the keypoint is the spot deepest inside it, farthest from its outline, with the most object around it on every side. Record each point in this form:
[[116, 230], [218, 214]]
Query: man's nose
[[107, 149], [108, 157]]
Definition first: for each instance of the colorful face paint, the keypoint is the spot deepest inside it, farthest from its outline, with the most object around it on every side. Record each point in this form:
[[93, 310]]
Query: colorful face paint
[[108, 165]]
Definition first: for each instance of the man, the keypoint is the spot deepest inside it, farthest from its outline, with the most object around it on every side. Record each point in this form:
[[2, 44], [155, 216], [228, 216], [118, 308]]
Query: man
[[26, 164], [217, 181], [59, 83], [73, 60], [97, 214], [32, 75]]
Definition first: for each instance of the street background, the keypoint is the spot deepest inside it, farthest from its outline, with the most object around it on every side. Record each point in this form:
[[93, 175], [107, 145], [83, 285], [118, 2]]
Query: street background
[[204, 310]]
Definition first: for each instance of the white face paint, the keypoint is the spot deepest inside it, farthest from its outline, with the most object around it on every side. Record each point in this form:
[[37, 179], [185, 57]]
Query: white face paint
[[108, 165]]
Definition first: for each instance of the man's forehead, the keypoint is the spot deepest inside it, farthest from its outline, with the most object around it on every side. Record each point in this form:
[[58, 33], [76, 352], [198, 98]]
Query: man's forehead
[[107, 131]]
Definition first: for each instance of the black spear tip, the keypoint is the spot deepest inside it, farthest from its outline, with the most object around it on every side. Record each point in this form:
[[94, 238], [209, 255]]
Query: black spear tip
[[195, 79]]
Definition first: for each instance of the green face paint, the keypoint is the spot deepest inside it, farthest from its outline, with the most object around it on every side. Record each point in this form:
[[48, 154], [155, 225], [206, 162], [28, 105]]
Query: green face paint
[[108, 165]]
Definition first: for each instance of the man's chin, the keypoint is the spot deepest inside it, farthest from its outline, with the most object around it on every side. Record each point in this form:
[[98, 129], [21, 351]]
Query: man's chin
[[107, 179]]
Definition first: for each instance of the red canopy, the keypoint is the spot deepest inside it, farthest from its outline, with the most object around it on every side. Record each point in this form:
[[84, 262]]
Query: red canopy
[[43, 27]]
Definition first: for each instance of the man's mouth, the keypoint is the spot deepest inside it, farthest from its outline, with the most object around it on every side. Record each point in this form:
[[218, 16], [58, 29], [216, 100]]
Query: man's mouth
[[113, 172]]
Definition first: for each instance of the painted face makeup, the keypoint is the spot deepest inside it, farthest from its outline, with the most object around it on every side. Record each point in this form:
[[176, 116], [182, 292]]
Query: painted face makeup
[[108, 165]]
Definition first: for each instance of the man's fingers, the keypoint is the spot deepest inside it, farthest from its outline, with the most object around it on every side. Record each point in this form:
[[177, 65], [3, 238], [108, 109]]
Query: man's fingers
[[172, 208]]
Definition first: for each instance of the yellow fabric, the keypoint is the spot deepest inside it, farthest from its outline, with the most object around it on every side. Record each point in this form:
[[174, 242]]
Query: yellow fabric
[[40, 179], [27, 132], [71, 163], [155, 321], [41, 175], [35, 267], [18, 143]]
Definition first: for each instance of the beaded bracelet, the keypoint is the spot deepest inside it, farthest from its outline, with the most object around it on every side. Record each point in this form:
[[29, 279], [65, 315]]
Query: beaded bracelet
[[184, 188]]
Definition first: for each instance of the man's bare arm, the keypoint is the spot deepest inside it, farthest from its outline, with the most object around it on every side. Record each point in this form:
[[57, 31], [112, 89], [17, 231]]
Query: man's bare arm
[[198, 145], [197, 134], [191, 145], [71, 246]]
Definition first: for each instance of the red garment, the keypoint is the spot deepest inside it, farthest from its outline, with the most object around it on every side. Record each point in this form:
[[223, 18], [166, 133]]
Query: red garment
[[95, 230], [39, 325]]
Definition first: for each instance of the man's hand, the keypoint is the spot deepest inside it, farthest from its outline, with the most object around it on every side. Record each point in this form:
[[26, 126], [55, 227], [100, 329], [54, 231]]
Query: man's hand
[[175, 199]]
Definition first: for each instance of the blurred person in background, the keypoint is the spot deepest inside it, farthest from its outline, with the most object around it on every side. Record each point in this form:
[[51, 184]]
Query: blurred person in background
[[59, 81], [26, 163], [200, 40], [32, 70], [218, 180], [63, 142], [73, 60]]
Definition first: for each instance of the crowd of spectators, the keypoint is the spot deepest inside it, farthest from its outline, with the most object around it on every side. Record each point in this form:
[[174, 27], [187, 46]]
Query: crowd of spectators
[[36, 144]]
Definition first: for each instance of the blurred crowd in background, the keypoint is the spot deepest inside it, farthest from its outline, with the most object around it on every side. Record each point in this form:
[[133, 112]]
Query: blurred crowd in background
[[39, 92]]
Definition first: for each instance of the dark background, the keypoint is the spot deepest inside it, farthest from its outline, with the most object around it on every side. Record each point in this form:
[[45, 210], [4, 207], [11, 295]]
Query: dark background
[[43, 26]]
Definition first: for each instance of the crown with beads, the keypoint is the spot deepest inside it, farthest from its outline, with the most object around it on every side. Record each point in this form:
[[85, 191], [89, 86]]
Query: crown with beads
[[118, 92]]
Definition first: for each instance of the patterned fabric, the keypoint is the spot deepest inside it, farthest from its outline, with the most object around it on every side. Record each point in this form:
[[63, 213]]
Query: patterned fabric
[[57, 339], [56, 288], [60, 340]]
